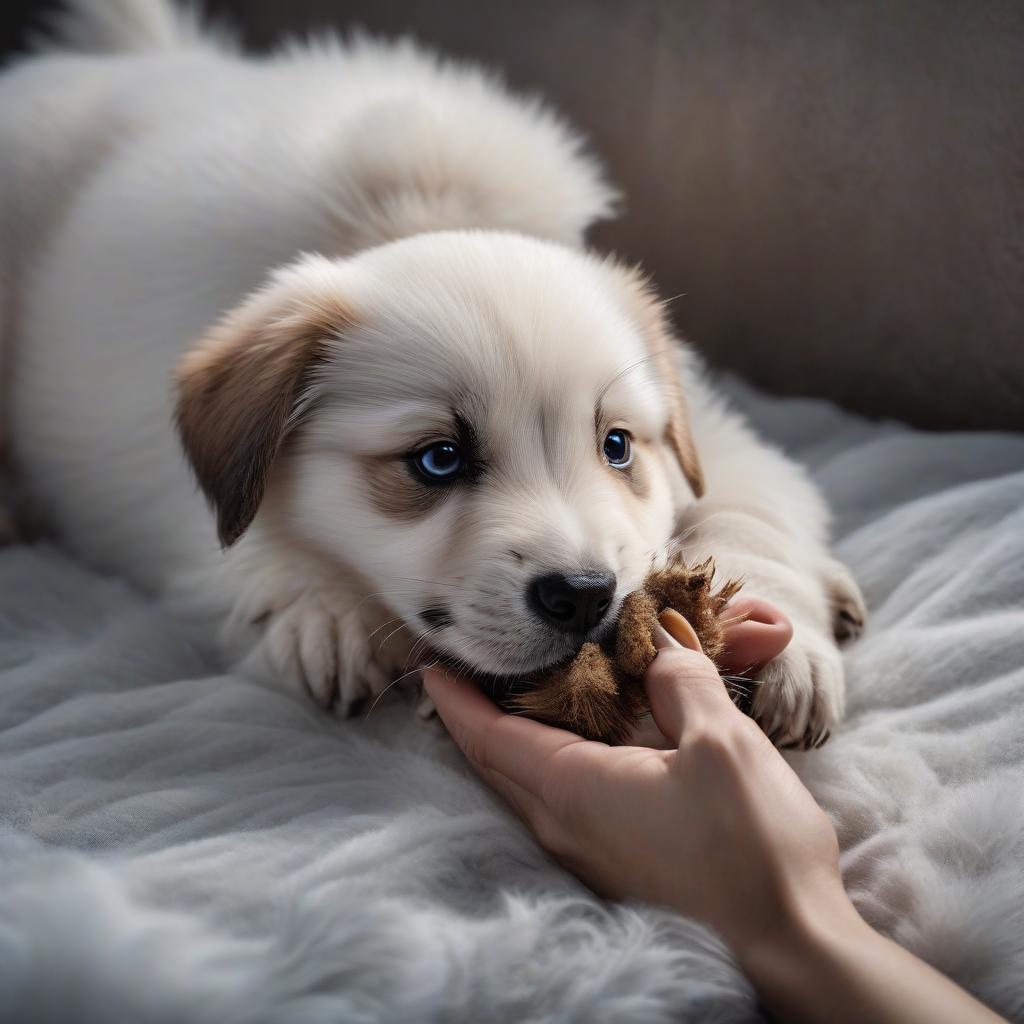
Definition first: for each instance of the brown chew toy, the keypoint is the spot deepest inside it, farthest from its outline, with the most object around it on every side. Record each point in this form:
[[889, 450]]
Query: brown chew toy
[[601, 695]]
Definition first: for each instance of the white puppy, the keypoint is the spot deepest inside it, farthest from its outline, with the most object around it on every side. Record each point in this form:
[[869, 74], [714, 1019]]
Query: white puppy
[[454, 431]]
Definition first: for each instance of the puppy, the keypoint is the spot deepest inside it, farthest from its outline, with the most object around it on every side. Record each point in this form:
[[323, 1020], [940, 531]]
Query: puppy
[[454, 433]]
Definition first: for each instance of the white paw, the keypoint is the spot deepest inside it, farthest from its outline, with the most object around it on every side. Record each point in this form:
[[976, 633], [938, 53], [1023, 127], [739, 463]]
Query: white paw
[[800, 696], [427, 716], [325, 651], [849, 612]]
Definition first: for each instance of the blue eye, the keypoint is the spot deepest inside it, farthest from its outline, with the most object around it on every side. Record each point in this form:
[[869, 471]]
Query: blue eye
[[617, 449], [440, 461]]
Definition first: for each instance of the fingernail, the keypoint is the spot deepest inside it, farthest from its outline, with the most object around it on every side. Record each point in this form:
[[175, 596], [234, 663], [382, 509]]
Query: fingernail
[[663, 640], [679, 629]]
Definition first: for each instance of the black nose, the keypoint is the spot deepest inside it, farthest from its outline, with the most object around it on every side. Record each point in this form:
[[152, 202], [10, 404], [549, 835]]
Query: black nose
[[572, 603]]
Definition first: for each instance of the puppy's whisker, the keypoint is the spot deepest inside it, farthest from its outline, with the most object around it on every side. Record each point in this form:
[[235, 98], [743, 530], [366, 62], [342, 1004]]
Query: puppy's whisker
[[680, 538], [420, 644], [397, 629], [382, 593], [394, 682], [433, 583], [460, 663], [383, 625], [622, 373]]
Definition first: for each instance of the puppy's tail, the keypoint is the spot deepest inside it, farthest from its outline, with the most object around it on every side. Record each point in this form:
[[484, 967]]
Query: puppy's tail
[[132, 26]]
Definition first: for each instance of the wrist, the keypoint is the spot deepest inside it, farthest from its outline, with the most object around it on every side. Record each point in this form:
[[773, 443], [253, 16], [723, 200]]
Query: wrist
[[794, 966]]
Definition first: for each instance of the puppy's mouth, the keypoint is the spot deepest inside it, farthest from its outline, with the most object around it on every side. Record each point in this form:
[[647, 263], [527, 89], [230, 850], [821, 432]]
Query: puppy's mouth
[[499, 683], [498, 686]]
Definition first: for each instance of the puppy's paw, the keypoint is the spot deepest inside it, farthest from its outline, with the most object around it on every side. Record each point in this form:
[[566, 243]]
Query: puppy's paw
[[800, 696], [427, 716], [849, 612], [325, 651]]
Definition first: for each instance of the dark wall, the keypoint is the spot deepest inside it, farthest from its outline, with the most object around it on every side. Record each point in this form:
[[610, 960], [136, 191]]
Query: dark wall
[[834, 190]]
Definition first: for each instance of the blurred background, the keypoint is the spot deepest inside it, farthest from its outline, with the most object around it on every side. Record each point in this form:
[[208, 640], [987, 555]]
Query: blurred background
[[833, 191]]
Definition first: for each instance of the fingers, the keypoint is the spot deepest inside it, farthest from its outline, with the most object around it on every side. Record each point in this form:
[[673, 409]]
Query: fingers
[[762, 633], [684, 688], [505, 747], [647, 734]]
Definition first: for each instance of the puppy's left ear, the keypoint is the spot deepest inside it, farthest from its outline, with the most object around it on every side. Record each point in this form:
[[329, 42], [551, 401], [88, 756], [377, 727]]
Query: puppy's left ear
[[242, 388], [649, 312]]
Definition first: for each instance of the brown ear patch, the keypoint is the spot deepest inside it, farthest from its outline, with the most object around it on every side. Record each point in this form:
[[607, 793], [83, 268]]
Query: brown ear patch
[[238, 391], [649, 313]]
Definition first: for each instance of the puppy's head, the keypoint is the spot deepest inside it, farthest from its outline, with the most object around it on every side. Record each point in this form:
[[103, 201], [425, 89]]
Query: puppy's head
[[487, 430]]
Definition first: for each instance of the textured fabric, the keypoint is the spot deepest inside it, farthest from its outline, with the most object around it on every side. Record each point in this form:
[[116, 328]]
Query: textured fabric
[[181, 845]]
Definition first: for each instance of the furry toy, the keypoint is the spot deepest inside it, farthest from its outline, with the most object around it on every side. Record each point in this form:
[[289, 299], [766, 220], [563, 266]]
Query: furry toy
[[599, 693]]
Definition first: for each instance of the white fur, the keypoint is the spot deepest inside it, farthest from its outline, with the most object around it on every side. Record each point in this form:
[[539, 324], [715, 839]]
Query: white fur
[[150, 190]]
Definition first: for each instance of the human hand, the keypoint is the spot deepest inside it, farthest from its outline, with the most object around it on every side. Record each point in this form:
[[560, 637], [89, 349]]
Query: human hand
[[718, 827]]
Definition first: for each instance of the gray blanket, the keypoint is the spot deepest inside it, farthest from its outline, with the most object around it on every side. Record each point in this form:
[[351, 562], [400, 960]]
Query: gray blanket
[[177, 844]]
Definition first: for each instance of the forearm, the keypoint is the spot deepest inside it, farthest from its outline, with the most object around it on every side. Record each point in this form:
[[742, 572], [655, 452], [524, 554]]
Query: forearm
[[832, 966]]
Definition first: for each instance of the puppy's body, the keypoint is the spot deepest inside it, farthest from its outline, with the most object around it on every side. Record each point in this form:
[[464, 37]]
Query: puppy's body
[[146, 192]]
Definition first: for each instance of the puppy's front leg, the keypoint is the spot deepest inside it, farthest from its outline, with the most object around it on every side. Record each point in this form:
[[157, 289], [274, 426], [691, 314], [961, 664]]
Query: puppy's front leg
[[293, 626], [321, 643], [764, 522]]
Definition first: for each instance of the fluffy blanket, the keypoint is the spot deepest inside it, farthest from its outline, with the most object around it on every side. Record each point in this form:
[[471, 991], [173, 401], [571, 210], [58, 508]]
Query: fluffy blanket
[[181, 845]]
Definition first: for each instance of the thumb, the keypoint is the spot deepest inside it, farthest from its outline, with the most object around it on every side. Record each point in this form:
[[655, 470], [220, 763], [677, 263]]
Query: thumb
[[682, 686], [756, 631]]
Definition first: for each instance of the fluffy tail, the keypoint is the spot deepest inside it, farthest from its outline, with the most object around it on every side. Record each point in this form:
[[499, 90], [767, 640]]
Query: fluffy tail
[[132, 26]]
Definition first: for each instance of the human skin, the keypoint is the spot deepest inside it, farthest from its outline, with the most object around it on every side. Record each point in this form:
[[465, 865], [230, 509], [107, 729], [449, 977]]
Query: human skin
[[716, 826]]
